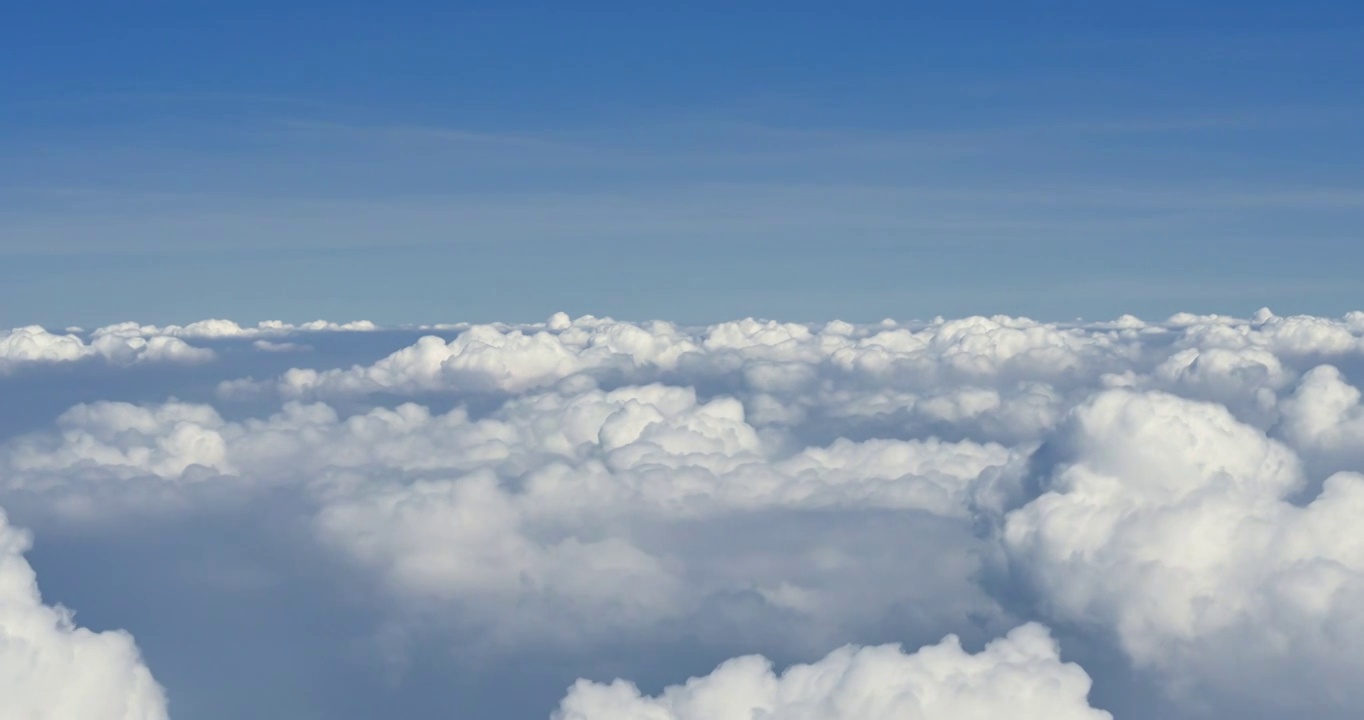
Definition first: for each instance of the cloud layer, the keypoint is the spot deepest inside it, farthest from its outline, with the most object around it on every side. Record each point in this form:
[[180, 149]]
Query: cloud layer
[[1018, 676], [1176, 496]]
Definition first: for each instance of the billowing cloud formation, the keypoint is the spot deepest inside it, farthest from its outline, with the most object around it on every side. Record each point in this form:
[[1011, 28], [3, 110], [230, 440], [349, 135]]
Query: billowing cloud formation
[[497, 357], [33, 344], [565, 500], [770, 356], [653, 447], [50, 669], [218, 328], [1178, 495], [1168, 522], [1325, 420], [1000, 378], [1018, 676], [129, 342]]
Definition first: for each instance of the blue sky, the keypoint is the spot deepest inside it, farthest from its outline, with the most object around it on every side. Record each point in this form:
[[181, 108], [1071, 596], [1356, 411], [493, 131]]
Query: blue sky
[[450, 161]]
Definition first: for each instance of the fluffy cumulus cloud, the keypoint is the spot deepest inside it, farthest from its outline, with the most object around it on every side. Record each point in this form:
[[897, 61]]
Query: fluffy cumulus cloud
[[33, 345], [767, 356], [504, 358], [568, 501], [1325, 420], [218, 328], [1000, 378], [1167, 522], [163, 440], [51, 669], [1017, 676], [1177, 495], [128, 343]]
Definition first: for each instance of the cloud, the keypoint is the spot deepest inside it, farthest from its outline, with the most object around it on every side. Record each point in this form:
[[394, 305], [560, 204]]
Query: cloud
[[270, 346], [218, 328], [1018, 676], [128, 439], [774, 357], [1167, 523], [51, 669], [771, 355], [640, 441], [1324, 419], [1174, 497], [492, 357], [34, 345], [1000, 379], [581, 506], [1297, 335]]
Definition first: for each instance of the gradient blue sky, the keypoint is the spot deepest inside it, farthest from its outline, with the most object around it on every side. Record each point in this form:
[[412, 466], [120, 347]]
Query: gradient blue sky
[[425, 161]]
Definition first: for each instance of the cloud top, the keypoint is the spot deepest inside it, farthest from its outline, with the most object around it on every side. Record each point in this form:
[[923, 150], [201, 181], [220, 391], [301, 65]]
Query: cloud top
[[1176, 497], [1017, 676], [34, 345], [52, 669]]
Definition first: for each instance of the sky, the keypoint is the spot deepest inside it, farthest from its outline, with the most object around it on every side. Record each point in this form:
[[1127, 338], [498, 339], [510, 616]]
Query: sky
[[430, 162], [690, 361]]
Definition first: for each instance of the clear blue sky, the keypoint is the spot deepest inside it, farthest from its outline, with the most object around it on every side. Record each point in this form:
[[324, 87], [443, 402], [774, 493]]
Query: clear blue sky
[[424, 161]]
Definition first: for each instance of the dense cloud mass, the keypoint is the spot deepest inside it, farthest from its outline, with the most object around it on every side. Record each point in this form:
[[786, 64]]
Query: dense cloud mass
[[34, 345], [1168, 523], [50, 669], [1018, 676], [1175, 499]]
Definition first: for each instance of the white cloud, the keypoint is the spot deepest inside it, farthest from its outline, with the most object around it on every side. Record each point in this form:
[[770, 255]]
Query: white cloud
[[1246, 379], [559, 501], [653, 448], [270, 346], [218, 328], [1167, 523], [1161, 489], [1324, 419], [471, 542], [130, 440], [51, 669], [1000, 378], [771, 355], [1018, 676], [33, 344], [644, 438], [1294, 335], [488, 357]]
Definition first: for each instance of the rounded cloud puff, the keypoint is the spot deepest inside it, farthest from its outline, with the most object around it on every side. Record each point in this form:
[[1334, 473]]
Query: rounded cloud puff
[[488, 357], [50, 669], [33, 344], [1169, 524], [1324, 419], [1019, 676], [218, 328]]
